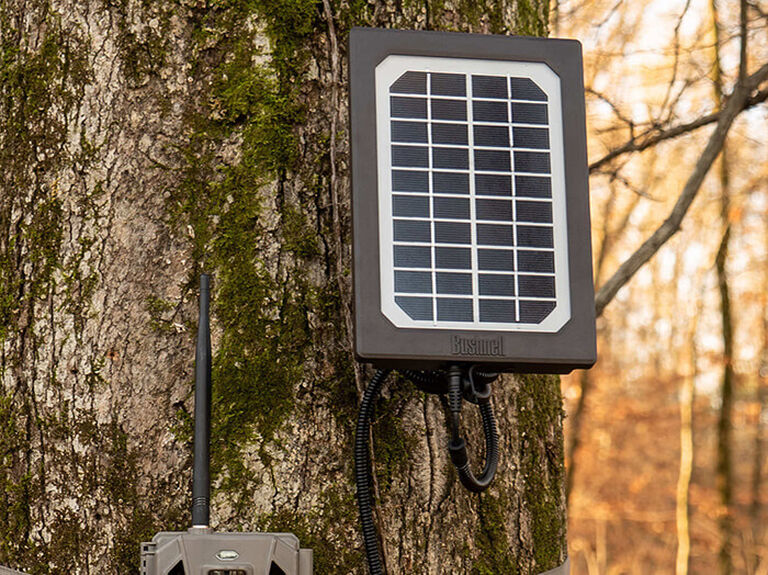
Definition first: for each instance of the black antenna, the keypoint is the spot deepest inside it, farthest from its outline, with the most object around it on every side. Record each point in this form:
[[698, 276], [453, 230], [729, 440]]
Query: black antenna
[[201, 481]]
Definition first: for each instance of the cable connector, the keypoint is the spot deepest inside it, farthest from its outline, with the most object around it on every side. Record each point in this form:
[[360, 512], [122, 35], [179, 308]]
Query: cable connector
[[480, 391], [458, 453]]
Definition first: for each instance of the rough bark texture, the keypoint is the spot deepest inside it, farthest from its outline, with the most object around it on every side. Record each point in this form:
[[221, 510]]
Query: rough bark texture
[[142, 142]]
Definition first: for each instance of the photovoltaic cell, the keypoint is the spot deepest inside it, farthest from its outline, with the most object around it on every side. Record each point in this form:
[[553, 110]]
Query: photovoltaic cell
[[453, 233], [410, 156], [535, 236], [448, 84], [529, 113], [536, 212], [472, 203], [410, 206], [533, 187], [495, 235], [496, 260], [526, 89], [410, 181], [409, 132], [454, 283], [413, 257], [412, 231], [534, 162], [535, 311], [530, 261], [493, 185], [536, 286], [449, 110], [453, 258], [454, 309], [413, 282], [449, 134], [490, 112], [492, 160], [493, 310], [497, 284], [410, 83], [497, 136], [530, 137], [450, 183], [453, 208], [495, 210], [409, 107], [418, 308], [489, 87], [453, 158]]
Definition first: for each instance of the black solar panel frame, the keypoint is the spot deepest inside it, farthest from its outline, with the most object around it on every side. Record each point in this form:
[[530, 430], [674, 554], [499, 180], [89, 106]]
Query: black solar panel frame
[[377, 339]]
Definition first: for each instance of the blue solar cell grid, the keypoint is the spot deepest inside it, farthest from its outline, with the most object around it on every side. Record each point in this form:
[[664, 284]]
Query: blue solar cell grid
[[471, 198]]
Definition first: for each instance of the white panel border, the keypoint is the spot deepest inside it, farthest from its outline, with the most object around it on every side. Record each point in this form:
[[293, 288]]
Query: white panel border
[[389, 70]]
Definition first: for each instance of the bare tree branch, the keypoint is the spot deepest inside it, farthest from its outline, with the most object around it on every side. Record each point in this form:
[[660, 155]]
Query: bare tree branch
[[619, 114], [756, 7], [616, 176], [653, 137], [734, 105], [743, 57], [676, 62]]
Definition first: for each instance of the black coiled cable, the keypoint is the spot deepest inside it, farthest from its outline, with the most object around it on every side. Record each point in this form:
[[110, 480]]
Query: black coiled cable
[[362, 472], [431, 383], [458, 447]]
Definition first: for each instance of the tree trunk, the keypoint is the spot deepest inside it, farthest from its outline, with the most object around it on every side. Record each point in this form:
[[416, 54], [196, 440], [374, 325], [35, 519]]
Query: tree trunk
[[725, 424], [586, 380], [756, 509], [142, 143], [685, 469]]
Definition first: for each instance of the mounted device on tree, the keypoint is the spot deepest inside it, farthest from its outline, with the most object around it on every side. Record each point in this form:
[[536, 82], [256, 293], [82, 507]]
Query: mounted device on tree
[[471, 230]]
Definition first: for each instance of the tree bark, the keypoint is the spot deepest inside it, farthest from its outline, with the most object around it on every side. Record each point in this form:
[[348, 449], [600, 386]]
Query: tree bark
[[724, 472], [142, 143], [685, 469]]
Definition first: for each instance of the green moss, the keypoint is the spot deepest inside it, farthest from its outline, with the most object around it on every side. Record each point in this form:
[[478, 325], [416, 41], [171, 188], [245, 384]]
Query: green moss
[[532, 18], [261, 303], [158, 308], [137, 516], [40, 88], [494, 554], [540, 411], [298, 236], [332, 553], [142, 49], [16, 486], [70, 536], [392, 444]]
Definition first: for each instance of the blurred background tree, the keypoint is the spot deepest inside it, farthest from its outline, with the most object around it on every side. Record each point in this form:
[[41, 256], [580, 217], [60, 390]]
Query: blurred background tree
[[666, 434]]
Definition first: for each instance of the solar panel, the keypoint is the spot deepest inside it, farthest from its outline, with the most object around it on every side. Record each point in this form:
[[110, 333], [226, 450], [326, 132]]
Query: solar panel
[[471, 194], [470, 201]]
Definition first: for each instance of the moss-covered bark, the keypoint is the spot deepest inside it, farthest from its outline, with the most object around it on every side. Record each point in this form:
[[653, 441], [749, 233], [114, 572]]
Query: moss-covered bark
[[142, 143]]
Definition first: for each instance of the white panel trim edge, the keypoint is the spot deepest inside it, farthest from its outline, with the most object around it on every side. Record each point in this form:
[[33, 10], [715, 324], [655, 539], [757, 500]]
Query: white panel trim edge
[[389, 70]]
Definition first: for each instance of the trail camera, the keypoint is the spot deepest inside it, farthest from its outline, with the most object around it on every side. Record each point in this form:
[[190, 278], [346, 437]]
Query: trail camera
[[470, 201], [207, 553], [200, 550]]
